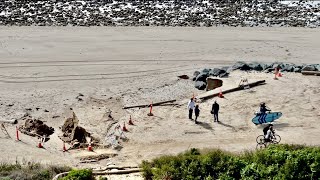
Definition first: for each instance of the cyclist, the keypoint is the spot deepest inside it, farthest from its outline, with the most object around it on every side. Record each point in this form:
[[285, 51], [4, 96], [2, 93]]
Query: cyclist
[[268, 133]]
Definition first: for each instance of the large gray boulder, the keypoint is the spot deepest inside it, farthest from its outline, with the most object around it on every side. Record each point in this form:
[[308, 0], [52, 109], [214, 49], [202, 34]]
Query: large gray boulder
[[200, 85], [255, 66], [309, 68], [195, 74], [216, 72], [241, 66], [202, 77]]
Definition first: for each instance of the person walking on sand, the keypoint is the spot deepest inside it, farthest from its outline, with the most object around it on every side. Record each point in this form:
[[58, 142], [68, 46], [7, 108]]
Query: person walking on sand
[[215, 111], [196, 112], [191, 106]]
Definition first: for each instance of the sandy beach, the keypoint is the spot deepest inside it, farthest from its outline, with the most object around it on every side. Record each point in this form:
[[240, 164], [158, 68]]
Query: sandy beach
[[47, 68]]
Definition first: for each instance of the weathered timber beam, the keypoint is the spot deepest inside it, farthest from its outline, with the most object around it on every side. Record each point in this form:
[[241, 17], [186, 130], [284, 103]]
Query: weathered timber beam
[[257, 83], [118, 172], [148, 105], [312, 73]]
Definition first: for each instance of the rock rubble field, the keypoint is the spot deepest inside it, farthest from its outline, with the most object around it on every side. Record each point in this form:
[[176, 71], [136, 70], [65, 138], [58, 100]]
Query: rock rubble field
[[160, 13]]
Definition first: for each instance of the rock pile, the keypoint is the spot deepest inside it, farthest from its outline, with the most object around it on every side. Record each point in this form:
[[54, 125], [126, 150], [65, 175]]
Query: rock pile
[[72, 133], [159, 13], [200, 76], [35, 127]]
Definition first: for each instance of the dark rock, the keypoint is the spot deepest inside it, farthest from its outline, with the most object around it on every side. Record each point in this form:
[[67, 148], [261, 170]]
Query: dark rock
[[200, 85], [202, 77], [241, 66], [255, 66], [46, 110], [297, 70], [309, 68], [224, 75], [216, 72]]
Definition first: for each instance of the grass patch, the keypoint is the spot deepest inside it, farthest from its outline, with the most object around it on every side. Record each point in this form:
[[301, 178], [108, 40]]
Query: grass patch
[[30, 171], [274, 162]]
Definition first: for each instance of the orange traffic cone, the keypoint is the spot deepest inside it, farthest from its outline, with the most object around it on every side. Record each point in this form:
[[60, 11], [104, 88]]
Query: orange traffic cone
[[40, 144], [17, 133], [130, 121], [64, 147], [124, 128], [150, 113], [220, 94], [90, 147]]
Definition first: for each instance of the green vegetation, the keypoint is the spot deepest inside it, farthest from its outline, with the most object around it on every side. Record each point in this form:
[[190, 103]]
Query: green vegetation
[[274, 162], [81, 174], [30, 171]]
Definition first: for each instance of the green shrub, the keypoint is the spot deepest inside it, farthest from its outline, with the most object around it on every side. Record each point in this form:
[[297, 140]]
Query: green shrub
[[30, 171], [82, 174], [274, 162]]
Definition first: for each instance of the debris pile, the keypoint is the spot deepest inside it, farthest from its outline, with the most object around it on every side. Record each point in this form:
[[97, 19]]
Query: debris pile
[[34, 127], [200, 77], [72, 133]]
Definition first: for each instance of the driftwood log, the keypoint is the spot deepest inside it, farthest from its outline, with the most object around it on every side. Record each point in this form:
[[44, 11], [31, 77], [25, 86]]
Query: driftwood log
[[118, 172], [312, 73], [13, 121], [257, 83], [148, 105]]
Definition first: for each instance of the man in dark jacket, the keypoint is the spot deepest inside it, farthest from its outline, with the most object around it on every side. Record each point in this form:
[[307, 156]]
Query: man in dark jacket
[[215, 111]]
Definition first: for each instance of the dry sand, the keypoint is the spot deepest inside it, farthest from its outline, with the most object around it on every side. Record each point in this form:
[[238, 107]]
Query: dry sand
[[47, 67]]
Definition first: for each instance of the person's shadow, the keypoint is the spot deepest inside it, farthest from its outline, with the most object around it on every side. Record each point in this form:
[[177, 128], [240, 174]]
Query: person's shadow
[[204, 125], [226, 125]]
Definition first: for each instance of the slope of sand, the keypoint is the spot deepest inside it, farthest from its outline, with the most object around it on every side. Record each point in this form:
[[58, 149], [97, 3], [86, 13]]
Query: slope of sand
[[47, 67]]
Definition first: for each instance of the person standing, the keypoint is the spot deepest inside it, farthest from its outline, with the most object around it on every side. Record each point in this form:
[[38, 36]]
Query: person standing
[[197, 113], [215, 111], [191, 106]]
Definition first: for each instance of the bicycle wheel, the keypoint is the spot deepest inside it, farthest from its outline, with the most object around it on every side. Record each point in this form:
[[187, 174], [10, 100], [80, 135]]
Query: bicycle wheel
[[276, 139], [260, 139], [261, 146]]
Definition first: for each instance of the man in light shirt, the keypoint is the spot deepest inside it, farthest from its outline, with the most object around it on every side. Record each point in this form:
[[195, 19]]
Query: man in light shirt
[[191, 106]]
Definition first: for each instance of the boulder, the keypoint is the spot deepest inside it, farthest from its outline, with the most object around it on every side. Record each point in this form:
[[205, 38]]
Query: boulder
[[216, 72], [224, 75], [255, 66], [202, 77], [242, 66], [200, 85], [297, 69], [309, 68], [287, 67]]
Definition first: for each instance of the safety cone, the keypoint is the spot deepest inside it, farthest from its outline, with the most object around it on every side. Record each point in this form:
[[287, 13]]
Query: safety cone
[[124, 128], [64, 147], [17, 133], [130, 121], [150, 113], [220, 94], [90, 147], [40, 144]]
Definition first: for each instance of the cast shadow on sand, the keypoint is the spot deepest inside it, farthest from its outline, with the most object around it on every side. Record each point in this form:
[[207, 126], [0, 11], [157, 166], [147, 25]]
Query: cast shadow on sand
[[205, 125], [226, 125]]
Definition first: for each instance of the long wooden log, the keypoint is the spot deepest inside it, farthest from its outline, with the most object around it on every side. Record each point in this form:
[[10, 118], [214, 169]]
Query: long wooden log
[[148, 105], [116, 167], [118, 172], [257, 83], [312, 73], [13, 121]]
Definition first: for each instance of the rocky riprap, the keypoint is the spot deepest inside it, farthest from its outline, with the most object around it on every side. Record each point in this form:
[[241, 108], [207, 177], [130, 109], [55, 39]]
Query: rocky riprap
[[200, 76], [159, 13]]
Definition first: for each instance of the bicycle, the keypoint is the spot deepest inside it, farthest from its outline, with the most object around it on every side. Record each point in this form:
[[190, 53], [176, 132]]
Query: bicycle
[[262, 143]]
